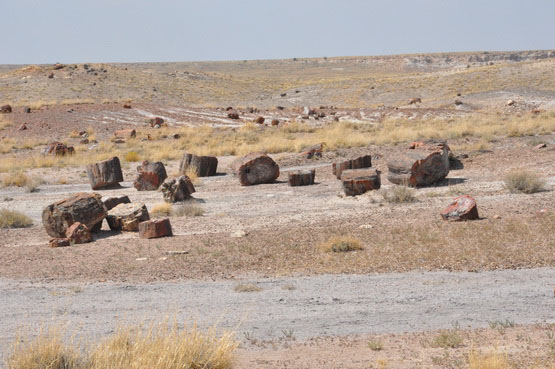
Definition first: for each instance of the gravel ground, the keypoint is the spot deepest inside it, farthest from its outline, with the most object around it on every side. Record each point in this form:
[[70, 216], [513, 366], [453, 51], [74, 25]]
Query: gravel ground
[[306, 306]]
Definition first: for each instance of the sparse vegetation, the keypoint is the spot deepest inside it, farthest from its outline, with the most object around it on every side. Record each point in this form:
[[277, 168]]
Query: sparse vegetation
[[398, 194], [524, 181], [188, 210], [341, 244], [132, 156], [375, 345], [161, 209], [14, 219], [247, 287], [492, 360], [448, 339]]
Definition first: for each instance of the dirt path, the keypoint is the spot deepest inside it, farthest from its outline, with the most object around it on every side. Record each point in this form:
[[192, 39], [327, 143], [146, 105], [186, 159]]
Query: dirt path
[[305, 307]]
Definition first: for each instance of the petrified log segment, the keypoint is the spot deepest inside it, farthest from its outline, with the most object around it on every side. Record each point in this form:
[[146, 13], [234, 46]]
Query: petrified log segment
[[83, 207], [358, 181], [418, 168], [302, 178], [78, 233], [361, 162], [58, 149], [433, 145], [104, 174], [255, 168], [179, 189], [155, 228], [151, 176], [112, 202], [204, 166], [126, 217], [461, 208]]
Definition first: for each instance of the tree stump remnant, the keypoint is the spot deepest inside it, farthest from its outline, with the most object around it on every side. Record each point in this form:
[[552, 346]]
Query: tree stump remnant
[[358, 181], [204, 166], [302, 178], [255, 168], [358, 163], [106, 173]]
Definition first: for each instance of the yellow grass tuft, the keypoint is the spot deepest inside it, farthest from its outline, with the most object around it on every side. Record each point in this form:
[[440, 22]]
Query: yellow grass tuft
[[14, 219], [132, 156], [493, 360], [161, 209], [524, 181]]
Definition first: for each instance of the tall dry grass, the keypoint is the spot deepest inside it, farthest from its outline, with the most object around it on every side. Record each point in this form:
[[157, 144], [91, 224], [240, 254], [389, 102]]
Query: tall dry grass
[[157, 346]]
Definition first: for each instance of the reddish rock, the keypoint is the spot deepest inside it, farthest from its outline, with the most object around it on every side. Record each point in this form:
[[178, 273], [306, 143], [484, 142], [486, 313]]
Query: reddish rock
[[358, 163], [59, 66], [125, 133], [106, 173], [358, 181], [462, 208], [275, 122], [22, 127], [540, 146], [255, 168], [155, 228], [415, 100], [312, 151], [78, 233], [233, 115], [6, 109], [425, 164], [229, 108], [58, 149], [84, 141], [58, 242], [156, 121], [151, 176], [127, 106], [259, 120], [126, 217], [177, 190]]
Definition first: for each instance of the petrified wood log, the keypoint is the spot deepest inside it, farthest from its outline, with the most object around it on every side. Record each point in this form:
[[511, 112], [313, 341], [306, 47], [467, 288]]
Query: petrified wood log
[[302, 178], [126, 217], [358, 181], [104, 174], [255, 168], [86, 208], [418, 168], [461, 208], [78, 233], [361, 162], [151, 176], [204, 166], [112, 202], [155, 228], [179, 189]]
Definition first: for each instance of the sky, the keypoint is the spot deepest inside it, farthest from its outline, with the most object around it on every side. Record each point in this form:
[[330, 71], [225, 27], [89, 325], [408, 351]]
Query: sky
[[74, 31]]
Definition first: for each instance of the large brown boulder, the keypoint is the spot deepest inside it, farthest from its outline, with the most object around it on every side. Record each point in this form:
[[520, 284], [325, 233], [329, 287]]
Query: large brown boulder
[[126, 217], [106, 173], [151, 176], [422, 166], [86, 208], [177, 190], [461, 208], [255, 168], [155, 228], [78, 233], [358, 181], [203, 166], [358, 163]]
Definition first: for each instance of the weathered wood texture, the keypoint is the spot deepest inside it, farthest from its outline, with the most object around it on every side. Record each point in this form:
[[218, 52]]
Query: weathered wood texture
[[419, 167], [204, 166], [358, 163], [86, 208], [106, 173], [126, 217], [255, 168], [177, 190], [155, 228], [302, 178], [358, 181], [151, 176]]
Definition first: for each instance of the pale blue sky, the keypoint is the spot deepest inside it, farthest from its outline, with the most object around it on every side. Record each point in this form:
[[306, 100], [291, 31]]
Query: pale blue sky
[[70, 31]]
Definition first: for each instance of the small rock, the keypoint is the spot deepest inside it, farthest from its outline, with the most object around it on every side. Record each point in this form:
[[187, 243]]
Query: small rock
[[239, 234], [155, 228], [58, 242], [496, 216], [275, 122], [233, 115], [540, 146], [259, 120], [127, 106], [511, 102], [6, 109], [461, 208], [78, 233], [22, 127]]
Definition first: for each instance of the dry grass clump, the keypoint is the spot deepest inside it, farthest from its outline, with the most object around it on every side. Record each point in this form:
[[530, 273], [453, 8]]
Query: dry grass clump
[[132, 156], [448, 339], [46, 351], [14, 219], [398, 194], [160, 346], [247, 287], [492, 360], [524, 181], [341, 244], [161, 209], [17, 179], [188, 210]]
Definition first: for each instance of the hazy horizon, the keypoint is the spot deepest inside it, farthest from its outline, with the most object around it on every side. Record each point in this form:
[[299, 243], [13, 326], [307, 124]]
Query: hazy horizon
[[126, 31]]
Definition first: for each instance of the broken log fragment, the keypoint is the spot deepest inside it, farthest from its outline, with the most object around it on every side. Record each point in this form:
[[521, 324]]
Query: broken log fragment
[[461, 208], [255, 168], [358, 181], [419, 167], [203, 166], [151, 176], [358, 163], [302, 178], [126, 217], [106, 173], [177, 190], [86, 208], [155, 228]]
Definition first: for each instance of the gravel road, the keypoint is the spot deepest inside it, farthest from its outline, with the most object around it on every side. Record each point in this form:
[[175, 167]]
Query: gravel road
[[309, 306]]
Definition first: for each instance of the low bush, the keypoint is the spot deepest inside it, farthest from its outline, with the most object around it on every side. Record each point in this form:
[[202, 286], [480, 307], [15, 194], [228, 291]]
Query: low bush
[[523, 181], [341, 244], [14, 219], [399, 194]]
